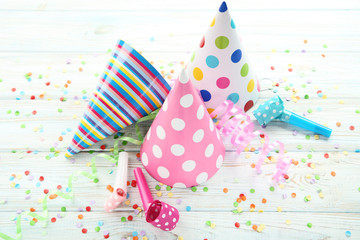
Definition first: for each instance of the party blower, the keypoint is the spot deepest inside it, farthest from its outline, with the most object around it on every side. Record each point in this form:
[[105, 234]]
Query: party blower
[[274, 109], [119, 193], [158, 213]]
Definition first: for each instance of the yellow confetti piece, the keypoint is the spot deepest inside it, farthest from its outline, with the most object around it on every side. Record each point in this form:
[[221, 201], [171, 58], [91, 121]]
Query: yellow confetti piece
[[40, 200], [316, 137], [312, 165], [88, 164], [261, 210], [145, 238], [308, 197], [246, 149], [64, 71], [341, 102], [247, 156], [308, 176], [336, 87], [262, 140], [321, 195], [19, 176], [273, 50], [161, 184], [252, 209], [170, 194], [212, 225], [288, 222], [180, 238], [139, 209], [77, 102], [345, 153], [74, 116], [279, 209], [239, 209], [324, 97], [127, 202], [36, 129], [159, 194], [12, 184], [56, 86], [281, 186]]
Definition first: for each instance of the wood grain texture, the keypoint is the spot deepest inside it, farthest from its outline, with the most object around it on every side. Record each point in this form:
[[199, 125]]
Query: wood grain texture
[[41, 36]]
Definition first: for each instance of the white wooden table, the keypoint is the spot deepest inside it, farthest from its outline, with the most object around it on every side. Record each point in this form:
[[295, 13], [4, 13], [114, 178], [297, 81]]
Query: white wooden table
[[318, 40]]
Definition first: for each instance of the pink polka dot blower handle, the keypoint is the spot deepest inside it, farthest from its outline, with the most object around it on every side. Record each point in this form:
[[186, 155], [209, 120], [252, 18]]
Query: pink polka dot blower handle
[[158, 213], [119, 193]]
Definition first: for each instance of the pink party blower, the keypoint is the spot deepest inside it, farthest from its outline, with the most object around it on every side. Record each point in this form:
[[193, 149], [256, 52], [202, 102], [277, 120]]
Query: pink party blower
[[119, 193], [158, 213]]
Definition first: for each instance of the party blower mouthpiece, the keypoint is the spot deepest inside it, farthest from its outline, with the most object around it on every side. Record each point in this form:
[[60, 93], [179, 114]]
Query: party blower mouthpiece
[[274, 109], [119, 193], [158, 213]]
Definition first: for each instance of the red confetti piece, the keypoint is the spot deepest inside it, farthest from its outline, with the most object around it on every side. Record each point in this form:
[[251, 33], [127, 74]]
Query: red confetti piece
[[27, 172], [130, 218], [41, 178], [88, 208], [133, 183], [103, 147], [237, 225], [53, 219], [84, 230]]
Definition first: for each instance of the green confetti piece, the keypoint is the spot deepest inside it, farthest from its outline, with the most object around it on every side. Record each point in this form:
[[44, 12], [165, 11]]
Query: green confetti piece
[[8, 111], [303, 160], [83, 91], [28, 191], [252, 190], [157, 187], [123, 219], [307, 137], [313, 69], [63, 209], [306, 96], [236, 204], [52, 149], [305, 199], [272, 189], [83, 62], [96, 74], [208, 223], [168, 188], [40, 76], [357, 111], [287, 50], [17, 113], [309, 110], [248, 223], [60, 110], [299, 147], [309, 156], [309, 225], [48, 157], [1, 80], [32, 223], [205, 189], [96, 180], [97, 229], [317, 177], [359, 189], [194, 189], [303, 86], [23, 125], [325, 46]]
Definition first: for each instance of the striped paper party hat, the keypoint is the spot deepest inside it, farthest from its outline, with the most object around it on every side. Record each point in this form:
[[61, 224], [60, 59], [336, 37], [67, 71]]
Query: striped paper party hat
[[129, 89]]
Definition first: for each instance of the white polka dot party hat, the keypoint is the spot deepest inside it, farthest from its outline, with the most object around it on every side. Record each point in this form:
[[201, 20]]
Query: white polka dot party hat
[[182, 147], [220, 69]]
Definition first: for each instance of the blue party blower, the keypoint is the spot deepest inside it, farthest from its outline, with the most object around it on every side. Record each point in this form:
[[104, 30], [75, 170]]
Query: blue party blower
[[274, 109]]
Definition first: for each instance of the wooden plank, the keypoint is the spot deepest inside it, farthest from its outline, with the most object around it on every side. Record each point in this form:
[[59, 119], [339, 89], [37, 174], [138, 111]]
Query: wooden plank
[[201, 5], [192, 226], [340, 192], [169, 31]]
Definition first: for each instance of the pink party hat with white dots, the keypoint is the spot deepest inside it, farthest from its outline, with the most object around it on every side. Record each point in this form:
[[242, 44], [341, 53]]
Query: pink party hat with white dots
[[182, 147], [220, 68]]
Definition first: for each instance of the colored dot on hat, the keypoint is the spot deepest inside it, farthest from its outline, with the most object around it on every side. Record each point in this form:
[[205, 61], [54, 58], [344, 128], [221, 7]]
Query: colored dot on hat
[[223, 82], [236, 56], [212, 61], [222, 42], [232, 24], [198, 74], [202, 42], [212, 23], [223, 7], [234, 97], [244, 70], [250, 86], [206, 95]]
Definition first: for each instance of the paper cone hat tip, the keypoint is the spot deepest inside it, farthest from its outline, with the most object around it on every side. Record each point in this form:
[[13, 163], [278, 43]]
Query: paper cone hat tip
[[182, 147], [130, 88], [223, 7]]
